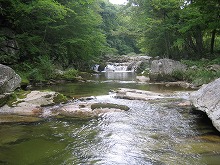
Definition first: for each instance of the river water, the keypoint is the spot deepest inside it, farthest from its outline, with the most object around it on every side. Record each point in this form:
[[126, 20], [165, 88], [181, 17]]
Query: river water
[[150, 133]]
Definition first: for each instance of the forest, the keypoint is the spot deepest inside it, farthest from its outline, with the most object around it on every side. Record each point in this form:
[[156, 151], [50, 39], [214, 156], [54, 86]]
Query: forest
[[39, 36]]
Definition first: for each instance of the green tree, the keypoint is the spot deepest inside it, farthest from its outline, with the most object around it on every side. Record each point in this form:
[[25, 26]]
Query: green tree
[[68, 32], [117, 28]]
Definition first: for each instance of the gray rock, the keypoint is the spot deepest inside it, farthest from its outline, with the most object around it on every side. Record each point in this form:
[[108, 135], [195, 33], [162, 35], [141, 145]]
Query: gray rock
[[9, 80], [161, 70], [207, 99]]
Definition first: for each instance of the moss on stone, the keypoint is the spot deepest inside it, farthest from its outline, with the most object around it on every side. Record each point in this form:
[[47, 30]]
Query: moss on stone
[[60, 98], [3, 100], [109, 105], [15, 96]]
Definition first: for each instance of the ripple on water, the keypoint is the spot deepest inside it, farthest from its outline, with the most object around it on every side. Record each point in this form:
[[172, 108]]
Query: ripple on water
[[148, 133]]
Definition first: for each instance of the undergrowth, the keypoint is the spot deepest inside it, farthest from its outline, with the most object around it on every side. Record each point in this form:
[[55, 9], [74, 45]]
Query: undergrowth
[[199, 72]]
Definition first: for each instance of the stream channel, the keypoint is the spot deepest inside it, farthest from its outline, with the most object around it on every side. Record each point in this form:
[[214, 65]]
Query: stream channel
[[150, 133]]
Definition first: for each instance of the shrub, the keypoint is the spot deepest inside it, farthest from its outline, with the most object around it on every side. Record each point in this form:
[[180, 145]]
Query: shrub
[[178, 75], [200, 74], [70, 74]]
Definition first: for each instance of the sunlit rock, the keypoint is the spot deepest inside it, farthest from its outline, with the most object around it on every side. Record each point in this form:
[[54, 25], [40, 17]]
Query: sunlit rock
[[162, 70], [33, 103], [134, 94], [142, 79], [9, 80], [207, 99]]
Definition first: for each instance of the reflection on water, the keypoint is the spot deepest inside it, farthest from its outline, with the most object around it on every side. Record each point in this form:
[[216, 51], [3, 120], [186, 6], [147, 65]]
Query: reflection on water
[[147, 134], [102, 83], [123, 76]]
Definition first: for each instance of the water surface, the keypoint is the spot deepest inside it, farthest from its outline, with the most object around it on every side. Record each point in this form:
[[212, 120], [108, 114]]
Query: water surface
[[150, 133]]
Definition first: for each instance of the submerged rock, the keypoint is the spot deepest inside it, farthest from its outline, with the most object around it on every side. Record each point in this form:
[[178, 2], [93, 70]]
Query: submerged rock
[[88, 109], [207, 99]]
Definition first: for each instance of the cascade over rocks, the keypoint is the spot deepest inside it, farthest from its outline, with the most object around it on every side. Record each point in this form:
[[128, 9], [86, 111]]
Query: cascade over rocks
[[9, 80], [207, 99], [122, 63], [162, 69]]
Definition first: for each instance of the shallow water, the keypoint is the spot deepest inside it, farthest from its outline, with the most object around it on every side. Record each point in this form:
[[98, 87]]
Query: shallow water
[[150, 133]]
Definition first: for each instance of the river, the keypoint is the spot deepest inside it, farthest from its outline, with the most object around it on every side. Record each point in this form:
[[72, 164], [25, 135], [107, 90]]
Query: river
[[150, 133]]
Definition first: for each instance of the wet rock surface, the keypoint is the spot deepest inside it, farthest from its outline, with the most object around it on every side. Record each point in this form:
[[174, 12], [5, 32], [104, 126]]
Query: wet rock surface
[[85, 109]]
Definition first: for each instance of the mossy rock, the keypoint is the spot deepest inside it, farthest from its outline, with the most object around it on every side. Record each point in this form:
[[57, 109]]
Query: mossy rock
[[109, 105], [60, 98], [14, 97], [4, 99]]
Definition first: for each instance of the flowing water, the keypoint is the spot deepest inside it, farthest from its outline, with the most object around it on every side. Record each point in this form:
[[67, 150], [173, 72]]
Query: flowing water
[[150, 133]]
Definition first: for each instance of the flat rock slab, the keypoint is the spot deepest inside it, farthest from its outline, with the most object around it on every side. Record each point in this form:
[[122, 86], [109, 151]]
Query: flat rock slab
[[32, 104], [207, 99], [134, 94]]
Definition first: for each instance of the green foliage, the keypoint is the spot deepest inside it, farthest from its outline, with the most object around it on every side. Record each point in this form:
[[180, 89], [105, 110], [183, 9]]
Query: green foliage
[[178, 75], [201, 76], [199, 72], [118, 29], [177, 29], [3, 100], [142, 68], [70, 74], [15, 97], [60, 32]]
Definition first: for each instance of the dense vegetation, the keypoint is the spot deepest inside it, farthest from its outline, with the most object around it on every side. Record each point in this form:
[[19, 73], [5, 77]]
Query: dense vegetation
[[178, 28], [39, 36]]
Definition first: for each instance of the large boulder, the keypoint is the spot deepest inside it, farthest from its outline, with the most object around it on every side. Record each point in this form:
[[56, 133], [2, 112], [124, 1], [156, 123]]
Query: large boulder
[[162, 69], [9, 80], [207, 99]]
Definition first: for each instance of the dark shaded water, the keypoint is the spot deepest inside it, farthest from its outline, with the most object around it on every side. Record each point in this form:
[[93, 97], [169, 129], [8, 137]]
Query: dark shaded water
[[148, 134]]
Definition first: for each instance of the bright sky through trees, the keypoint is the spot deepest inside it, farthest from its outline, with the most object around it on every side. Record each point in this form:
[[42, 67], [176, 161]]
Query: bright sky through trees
[[118, 1]]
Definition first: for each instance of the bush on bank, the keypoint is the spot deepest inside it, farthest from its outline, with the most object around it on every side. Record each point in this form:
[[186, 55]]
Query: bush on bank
[[199, 72]]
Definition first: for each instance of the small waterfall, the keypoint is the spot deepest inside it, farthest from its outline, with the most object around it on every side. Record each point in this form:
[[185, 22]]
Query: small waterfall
[[123, 64], [95, 68], [117, 67]]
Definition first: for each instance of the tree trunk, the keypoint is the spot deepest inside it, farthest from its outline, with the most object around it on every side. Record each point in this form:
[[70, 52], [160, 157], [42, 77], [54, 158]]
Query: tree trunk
[[213, 41], [199, 42], [191, 44]]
